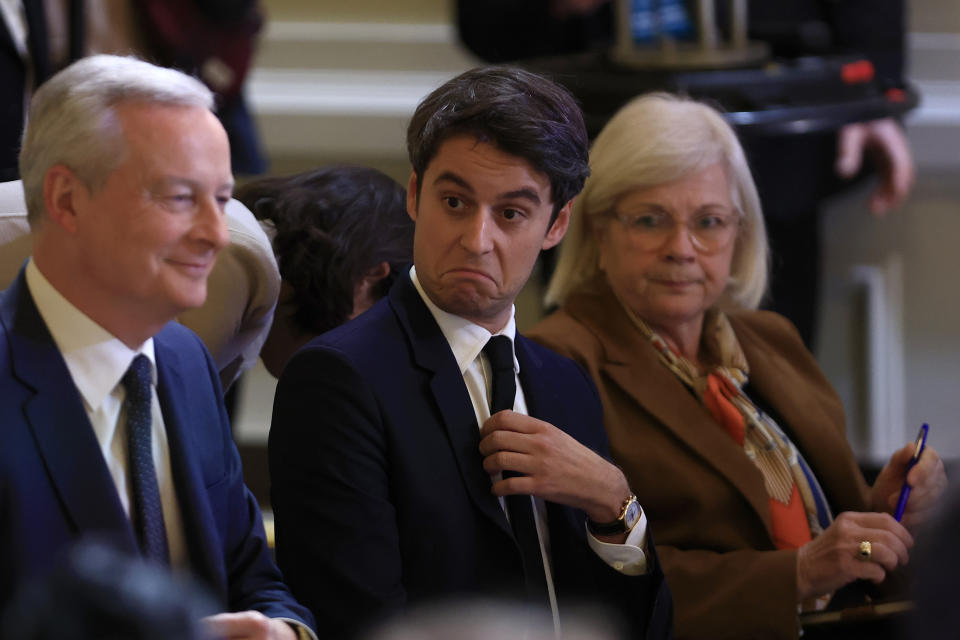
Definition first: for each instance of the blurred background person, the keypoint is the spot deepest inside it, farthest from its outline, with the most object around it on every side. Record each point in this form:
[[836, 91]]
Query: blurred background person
[[717, 413], [211, 39], [794, 173], [96, 593], [341, 236]]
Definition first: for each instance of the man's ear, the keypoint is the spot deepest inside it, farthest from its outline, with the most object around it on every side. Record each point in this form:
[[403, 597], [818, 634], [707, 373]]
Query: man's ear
[[61, 186], [377, 273], [559, 227], [412, 196], [363, 290]]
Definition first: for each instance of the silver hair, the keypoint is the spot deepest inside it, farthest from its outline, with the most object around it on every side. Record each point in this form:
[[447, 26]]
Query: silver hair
[[73, 122], [655, 139]]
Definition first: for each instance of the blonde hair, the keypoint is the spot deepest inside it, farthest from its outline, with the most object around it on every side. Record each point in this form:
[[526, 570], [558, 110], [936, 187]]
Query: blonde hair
[[655, 139], [73, 121]]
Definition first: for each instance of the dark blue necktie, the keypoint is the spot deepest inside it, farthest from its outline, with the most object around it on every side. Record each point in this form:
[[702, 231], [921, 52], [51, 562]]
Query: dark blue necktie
[[499, 350], [146, 510]]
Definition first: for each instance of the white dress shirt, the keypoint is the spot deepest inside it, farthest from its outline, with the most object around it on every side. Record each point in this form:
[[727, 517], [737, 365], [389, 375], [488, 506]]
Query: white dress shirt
[[97, 362], [467, 340]]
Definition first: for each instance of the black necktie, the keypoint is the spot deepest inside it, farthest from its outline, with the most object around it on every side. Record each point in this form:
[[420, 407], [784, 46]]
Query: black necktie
[[146, 509], [499, 350]]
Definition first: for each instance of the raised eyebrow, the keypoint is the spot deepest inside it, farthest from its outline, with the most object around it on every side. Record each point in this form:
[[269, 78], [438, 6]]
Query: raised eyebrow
[[449, 176], [525, 193]]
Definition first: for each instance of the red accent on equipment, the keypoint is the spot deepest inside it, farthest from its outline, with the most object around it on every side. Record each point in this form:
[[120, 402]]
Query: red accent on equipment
[[895, 95], [858, 72]]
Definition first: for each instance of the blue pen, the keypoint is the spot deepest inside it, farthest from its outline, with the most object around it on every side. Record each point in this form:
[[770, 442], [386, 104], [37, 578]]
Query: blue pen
[[905, 490]]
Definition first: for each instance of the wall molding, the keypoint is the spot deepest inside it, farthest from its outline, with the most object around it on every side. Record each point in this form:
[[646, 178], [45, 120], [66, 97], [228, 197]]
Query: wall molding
[[352, 86], [363, 32]]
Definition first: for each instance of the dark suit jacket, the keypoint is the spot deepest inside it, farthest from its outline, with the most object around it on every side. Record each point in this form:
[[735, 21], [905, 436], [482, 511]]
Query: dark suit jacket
[[55, 487], [378, 489], [704, 498]]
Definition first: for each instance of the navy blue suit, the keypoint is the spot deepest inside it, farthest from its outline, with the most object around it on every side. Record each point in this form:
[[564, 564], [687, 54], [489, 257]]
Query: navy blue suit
[[379, 493], [55, 486]]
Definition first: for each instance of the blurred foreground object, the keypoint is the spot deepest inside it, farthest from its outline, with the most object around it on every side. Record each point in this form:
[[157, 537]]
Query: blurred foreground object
[[95, 592]]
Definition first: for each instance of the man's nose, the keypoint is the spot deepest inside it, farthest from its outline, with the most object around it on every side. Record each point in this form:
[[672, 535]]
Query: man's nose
[[211, 223], [476, 236]]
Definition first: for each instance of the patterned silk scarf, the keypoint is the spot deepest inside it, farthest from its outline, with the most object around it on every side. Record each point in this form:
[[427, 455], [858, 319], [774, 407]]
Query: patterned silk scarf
[[798, 507]]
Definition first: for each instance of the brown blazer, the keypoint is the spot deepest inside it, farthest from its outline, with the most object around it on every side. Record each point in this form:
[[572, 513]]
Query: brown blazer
[[704, 499]]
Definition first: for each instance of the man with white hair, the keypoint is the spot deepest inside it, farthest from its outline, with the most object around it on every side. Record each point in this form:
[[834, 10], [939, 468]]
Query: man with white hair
[[110, 414]]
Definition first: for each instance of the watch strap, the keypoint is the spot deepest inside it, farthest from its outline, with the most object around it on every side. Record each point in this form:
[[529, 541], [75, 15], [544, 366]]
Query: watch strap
[[614, 527]]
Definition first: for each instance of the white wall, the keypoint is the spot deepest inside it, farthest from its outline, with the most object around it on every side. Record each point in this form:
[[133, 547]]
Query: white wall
[[924, 240]]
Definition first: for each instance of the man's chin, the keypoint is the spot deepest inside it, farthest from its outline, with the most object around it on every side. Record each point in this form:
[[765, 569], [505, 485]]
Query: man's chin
[[187, 299], [481, 310]]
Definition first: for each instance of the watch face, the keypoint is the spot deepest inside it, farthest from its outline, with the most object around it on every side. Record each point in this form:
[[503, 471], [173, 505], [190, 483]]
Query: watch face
[[632, 515]]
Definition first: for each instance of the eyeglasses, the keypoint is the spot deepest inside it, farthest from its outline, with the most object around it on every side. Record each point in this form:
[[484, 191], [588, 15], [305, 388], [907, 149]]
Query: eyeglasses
[[709, 231]]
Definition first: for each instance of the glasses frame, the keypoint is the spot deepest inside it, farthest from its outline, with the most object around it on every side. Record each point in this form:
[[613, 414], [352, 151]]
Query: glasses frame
[[635, 232]]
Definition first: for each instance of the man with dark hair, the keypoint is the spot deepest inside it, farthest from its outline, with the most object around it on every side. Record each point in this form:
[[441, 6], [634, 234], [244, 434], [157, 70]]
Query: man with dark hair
[[341, 235], [543, 128], [392, 483]]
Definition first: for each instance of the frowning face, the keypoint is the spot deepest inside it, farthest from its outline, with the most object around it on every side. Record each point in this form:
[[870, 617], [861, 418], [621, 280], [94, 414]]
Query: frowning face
[[482, 218]]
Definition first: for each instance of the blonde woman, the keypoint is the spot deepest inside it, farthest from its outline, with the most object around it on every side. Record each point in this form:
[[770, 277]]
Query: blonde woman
[[716, 412]]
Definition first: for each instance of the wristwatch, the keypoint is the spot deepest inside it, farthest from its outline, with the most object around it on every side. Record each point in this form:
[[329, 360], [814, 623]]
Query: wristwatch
[[629, 515]]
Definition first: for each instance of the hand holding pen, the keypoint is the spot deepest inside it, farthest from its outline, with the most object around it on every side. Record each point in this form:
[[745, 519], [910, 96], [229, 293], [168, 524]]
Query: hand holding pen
[[919, 480], [918, 448]]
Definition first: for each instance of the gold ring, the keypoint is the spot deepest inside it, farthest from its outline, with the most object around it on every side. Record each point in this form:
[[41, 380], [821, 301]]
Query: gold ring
[[865, 550]]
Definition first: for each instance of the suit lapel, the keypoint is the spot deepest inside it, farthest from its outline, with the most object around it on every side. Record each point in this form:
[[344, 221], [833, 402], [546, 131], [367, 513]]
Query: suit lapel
[[175, 399], [61, 429], [432, 353], [805, 416], [633, 365]]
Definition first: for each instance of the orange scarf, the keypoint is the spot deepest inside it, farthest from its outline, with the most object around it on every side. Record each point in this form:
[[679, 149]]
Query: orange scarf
[[793, 509]]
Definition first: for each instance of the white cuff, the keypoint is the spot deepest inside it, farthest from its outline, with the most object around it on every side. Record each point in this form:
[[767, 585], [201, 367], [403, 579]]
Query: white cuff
[[627, 558]]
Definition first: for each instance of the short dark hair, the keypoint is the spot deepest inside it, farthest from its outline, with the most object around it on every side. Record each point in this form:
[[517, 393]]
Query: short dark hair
[[333, 225], [518, 112]]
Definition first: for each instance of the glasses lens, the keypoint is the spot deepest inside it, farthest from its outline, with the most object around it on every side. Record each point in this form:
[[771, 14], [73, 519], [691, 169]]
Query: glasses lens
[[709, 232], [712, 231]]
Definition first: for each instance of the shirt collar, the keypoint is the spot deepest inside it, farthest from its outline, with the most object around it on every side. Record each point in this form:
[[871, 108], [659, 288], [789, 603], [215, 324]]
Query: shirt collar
[[95, 358], [465, 338]]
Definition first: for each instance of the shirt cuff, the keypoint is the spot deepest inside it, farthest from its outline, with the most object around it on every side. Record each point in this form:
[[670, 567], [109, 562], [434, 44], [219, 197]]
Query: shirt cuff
[[303, 631], [627, 558]]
